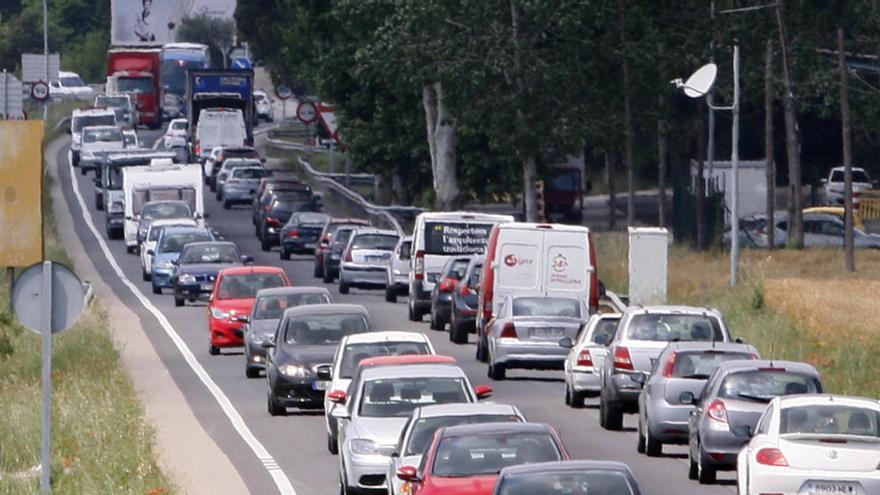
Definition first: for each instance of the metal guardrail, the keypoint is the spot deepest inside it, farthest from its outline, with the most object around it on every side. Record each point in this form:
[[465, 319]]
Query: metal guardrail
[[348, 179], [619, 303]]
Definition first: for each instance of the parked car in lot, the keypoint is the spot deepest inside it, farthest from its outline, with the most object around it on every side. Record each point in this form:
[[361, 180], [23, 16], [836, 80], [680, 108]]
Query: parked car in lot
[[567, 478], [397, 270], [424, 422], [241, 185], [812, 444], [527, 331], [681, 367], [465, 299], [333, 255], [226, 169], [354, 349], [301, 232], [380, 401], [441, 295], [198, 265], [260, 326], [583, 364], [365, 258], [737, 394], [327, 235], [233, 296], [149, 244], [168, 247], [643, 332], [820, 230], [832, 186], [301, 352], [161, 210], [467, 459]]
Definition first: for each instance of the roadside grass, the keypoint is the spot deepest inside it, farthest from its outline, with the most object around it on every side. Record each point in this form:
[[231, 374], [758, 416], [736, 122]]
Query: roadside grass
[[797, 305]]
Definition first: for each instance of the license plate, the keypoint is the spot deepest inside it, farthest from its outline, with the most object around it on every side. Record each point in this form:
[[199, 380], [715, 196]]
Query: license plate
[[547, 332], [831, 488], [208, 287], [320, 385]]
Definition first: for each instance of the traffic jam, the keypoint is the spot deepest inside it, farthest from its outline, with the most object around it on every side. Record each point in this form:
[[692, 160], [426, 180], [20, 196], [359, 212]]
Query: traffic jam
[[399, 417]]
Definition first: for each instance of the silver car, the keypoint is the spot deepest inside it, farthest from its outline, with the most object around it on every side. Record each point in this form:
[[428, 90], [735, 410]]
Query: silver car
[[582, 366], [226, 169], [527, 331], [737, 394], [425, 421], [681, 367], [381, 400], [397, 271], [365, 258], [241, 185], [260, 325], [642, 334]]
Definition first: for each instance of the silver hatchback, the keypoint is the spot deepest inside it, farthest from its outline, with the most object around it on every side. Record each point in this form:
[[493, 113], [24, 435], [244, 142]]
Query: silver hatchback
[[365, 259], [583, 365]]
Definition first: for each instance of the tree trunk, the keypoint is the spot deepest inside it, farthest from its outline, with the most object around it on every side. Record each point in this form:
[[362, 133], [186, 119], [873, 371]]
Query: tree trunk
[[848, 241], [441, 145], [768, 146], [527, 155], [700, 185], [627, 126], [661, 163], [792, 140], [609, 175]]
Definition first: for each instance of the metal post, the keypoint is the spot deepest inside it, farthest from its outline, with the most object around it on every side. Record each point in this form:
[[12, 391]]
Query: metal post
[[710, 98], [5, 97], [46, 328], [332, 158], [10, 273], [734, 160], [46, 56]]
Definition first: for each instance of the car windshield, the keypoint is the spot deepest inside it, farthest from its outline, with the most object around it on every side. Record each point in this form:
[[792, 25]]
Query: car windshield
[[136, 85], [475, 455], [456, 268], [155, 230], [174, 242], [830, 419], [566, 181], [765, 384], [156, 211], [323, 329], [105, 135], [272, 307], [423, 430], [113, 101], [342, 235], [179, 125], [313, 219], [474, 279], [674, 328], [374, 241], [581, 482], [605, 328], [209, 253], [701, 364], [233, 164], [248, 173], [397, 397], [546, 306], [246, 285], [353, 354], [89, 120], [71, 81]]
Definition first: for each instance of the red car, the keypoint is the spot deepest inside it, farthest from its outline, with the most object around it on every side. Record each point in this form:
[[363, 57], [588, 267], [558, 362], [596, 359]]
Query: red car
[[466, 459], [232, 299]]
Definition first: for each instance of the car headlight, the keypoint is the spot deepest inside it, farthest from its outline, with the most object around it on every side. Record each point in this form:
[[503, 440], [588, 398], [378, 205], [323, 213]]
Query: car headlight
[[186, 278], [219, 313], [164, 265], [142, 233], [257, 338], [362, 446], [334, 256], [293, 370], [397, 272], [116, 207]]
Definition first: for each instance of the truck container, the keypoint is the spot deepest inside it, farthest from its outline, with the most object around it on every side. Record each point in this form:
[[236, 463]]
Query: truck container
[[219, 88], [136, 72]]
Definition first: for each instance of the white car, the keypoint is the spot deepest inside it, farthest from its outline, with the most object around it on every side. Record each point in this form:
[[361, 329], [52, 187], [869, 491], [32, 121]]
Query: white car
[[583, 377], [354, 348], [812, 444], [97, 140], [175, 135], [70, 85], [263, 103], [86, 117], [153, 236], [833, 184]]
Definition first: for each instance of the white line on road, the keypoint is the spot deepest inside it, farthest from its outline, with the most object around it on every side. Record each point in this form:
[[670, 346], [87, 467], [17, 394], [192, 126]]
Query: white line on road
[[271, 466]]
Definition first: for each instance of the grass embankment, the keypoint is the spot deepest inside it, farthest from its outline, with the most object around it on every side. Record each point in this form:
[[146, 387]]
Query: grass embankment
[[798, 305], [100, 442]]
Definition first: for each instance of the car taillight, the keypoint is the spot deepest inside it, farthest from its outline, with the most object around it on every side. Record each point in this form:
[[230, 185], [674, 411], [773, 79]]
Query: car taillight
[[198, 147], [584, 358], [717, 411], [508, 331], [420, 265], [293, 233], [348, 255], [272, 221], [466, 290], [622, 360], [771, 457], [233, 181], [669, 367], [447, 285]]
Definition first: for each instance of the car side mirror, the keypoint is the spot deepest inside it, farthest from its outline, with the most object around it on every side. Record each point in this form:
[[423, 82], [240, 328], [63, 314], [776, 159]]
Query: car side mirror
[[742, 431], [337, 397], [566, 343], [325, 373], [823, 181], [247, 259], [150, 252], [243, 319], [483, 391], [268, 344], [740, 340], [408, 473], [687, 398], [639, 378]]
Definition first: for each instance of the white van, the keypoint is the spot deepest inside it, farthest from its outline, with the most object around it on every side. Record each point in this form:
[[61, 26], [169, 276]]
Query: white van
[[86, 117], [539, 260], [218, 127], [156, 182], [438, 236]]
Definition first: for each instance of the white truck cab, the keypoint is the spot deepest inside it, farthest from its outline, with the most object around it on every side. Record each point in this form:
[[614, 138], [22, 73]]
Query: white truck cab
[[86, 117], [834, 183]]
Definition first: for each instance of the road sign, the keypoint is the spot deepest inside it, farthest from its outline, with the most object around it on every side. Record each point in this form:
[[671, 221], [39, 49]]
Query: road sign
[[10, 97], [40, 91], [21, 167], [283, 91], [33, 67], [306, 112]]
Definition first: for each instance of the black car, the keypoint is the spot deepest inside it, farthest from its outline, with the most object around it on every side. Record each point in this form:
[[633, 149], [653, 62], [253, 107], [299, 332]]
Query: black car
[[300, 234], [276, 216], [273, 191], [333, 256], [441, 296], [197, 266], [301, 352], [465, 298]]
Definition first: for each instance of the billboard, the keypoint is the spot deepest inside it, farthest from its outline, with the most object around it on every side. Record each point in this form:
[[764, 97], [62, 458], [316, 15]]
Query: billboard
[[21, 172], [156, 22]]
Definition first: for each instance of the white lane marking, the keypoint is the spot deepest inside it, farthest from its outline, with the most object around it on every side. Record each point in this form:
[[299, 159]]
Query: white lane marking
[[281, 480]]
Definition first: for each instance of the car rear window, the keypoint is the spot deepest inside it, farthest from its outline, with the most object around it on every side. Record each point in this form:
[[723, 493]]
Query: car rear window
[[606, 327], [474, 279], [674, 328], [764, 385], [353, 354], [546, 306], [248, 173], [397, 397], [173, 243], [374, 241], [424, 429], [209, 253], [457, 268], [323, 329], [601, 482], [272, 307], [830, 419], [451, 238], [246, 285], [474, 455], [701, 364]]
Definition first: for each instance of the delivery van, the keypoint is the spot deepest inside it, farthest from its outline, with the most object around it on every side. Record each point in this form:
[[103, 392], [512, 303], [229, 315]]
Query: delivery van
[[218, 127], [438, 236]]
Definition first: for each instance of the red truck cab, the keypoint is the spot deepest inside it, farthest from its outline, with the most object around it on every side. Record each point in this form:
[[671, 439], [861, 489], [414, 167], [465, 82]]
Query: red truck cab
[[135, 72]]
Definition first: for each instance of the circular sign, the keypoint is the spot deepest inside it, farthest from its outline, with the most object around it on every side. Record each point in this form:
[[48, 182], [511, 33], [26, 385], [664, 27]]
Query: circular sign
[[40, 90], [68, 297], [306, 112], [283, 91]]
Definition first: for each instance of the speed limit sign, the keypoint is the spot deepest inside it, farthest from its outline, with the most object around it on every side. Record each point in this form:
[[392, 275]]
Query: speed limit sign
[[40, 90]]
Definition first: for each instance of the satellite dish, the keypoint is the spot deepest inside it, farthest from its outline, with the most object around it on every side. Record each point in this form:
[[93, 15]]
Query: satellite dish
[[700, 81]]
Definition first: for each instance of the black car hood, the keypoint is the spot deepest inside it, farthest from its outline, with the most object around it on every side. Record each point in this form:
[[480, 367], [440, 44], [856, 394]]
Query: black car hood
[[264, 327], [307, 355]]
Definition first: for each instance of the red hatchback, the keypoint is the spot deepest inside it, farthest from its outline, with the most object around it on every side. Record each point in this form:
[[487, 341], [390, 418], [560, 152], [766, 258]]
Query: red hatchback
[[466, 460], [232, 300]]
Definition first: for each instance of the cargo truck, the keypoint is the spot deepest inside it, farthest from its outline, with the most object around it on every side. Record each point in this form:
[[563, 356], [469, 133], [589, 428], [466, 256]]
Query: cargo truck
[[219, 89], [136, 72]]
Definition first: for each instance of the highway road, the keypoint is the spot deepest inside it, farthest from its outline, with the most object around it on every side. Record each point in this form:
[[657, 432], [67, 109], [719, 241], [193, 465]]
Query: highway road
[[288, 454]]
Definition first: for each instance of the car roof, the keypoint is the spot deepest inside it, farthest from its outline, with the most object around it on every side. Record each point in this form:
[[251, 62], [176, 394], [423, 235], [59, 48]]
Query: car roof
[[165, 201], [182, 229], [388, 336], [699, 345], [211, 243], [810, 399], [565, 466], [526, 226], [349, 220], [100, 127], [412, 370], [284, 291], [245, 270], [464, 409], [755, 364], [407, 359], [324, 309], [841, 169], [494, 429], [672, 309], [374, 230], [463, 216], [182, 222]]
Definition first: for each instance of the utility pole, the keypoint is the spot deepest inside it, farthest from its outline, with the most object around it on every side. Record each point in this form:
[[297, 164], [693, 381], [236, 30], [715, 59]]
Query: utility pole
[[734, 160], [46, 56], [768, 146], [848, 241]]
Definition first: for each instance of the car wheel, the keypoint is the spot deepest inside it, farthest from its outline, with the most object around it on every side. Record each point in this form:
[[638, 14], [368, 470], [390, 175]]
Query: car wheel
[[179, 300], [156, 289], [435, 321], [226, 204], [251, 372], [640, 442], [390, 294], [414, 314], [265, 245], [328, 279], [275, 409], [706, 475], [332, 446], [213, 349], [567, 395], [653, 447], [343, 287], [83, 171], [577, 399], [130, 249], [284, 255], [692, 466], [213, 185], [146, 275], [611, 414], [99, 205], [497, 371], [481, 349], [219, 194], [318, 272], [457, 334]]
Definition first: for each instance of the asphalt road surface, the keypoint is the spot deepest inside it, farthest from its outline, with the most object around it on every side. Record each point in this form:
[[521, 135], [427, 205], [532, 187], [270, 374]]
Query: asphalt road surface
[[289, 454]]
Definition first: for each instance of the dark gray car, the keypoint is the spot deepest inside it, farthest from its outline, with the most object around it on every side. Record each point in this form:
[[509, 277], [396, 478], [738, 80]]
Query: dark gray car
[[567, 478]]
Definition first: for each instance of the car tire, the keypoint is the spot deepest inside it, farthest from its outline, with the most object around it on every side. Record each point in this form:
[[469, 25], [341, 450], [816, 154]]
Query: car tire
[[226, 204], [497, 371], [251, 372], [390, 294], [99, 205], [146, 276], [83, 171], [610, 415], [693, 471], [156, 289], [318, 272], [332, 446], [130, 249], [265, 245], [457, 335], [327, 278], [179, 300], [414, 314], [652, 446], [706, 475], [640, 440], [213, 349], [284, 255], [212, 184], [343, 287], [435, 323], [219, 195], [481, 349], [273, 407], [576, 399]]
